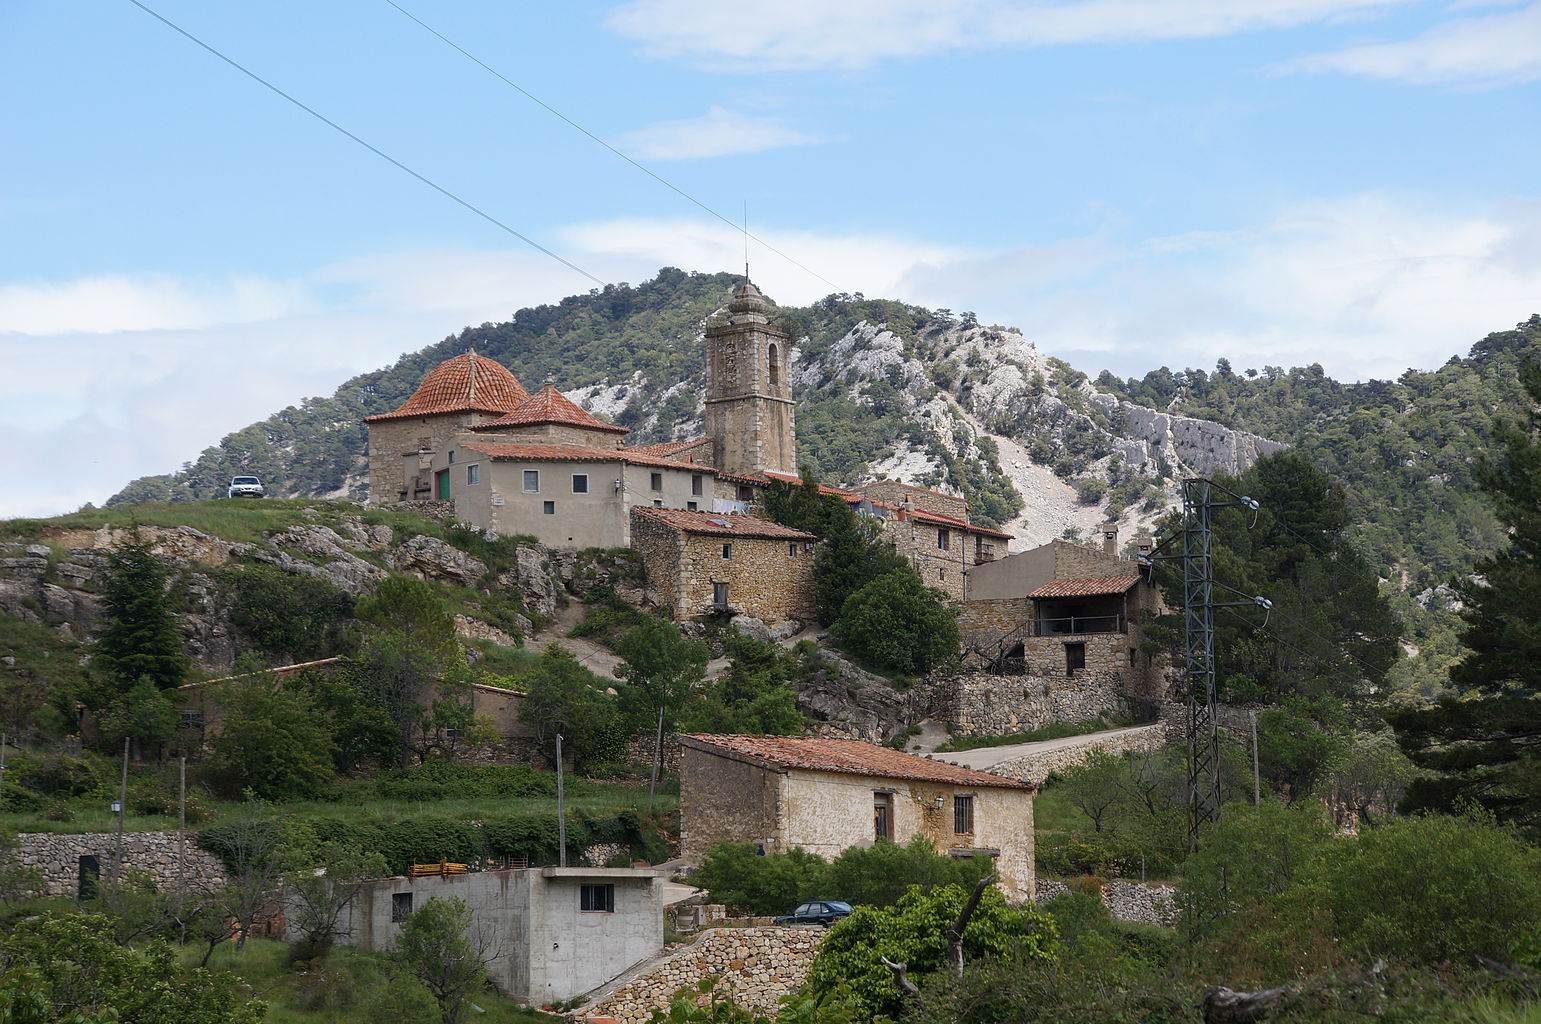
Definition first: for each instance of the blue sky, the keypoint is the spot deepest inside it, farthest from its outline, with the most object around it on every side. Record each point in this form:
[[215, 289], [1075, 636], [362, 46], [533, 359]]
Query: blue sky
[[1131, 182]]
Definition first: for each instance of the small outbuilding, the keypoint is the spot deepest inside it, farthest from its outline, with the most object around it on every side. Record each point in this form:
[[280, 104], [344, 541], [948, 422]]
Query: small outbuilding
[[549, 934], [827, 795], [700, 563]]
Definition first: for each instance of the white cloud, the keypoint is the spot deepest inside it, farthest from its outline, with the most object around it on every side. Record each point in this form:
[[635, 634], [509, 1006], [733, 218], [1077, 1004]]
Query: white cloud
[[1496, 49], [120, 302], [718, 132], [1366, 285], [781, 35]]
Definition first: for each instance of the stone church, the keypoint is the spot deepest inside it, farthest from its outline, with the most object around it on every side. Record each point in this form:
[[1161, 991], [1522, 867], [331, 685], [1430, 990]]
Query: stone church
[[474, 439]]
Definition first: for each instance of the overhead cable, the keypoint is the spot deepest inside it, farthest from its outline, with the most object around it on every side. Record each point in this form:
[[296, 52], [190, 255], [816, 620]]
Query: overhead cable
[[376, 151]]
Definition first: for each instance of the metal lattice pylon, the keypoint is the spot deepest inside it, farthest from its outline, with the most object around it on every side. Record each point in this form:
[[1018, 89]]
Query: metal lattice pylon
[[1199, 643]]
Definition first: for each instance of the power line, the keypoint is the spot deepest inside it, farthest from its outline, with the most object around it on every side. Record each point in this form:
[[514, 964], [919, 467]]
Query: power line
[[574, 124], [377, 152]]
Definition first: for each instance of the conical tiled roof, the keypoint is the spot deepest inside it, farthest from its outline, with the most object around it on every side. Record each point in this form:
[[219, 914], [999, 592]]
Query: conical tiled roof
[[549, 406], [466, 383]]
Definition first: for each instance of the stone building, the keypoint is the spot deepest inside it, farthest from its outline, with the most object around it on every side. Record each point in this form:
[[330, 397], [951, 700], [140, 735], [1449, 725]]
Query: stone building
[[549, 934], [827, 795], [1064, 610], [749, 408], [456, 394], [701, 562]]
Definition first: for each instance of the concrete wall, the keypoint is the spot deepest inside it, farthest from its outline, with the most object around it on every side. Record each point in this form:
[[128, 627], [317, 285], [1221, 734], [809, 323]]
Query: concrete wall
[[541, 946], [159, 855], [756, 966], [1020, 574]]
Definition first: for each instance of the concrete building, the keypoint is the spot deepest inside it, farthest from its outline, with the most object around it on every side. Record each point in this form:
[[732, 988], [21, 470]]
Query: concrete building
[[827, 795], [549, 934], [1064, 609], [701, 563]]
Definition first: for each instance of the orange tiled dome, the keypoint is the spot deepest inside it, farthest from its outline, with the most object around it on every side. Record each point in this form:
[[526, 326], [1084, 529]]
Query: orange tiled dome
[[466, 383]]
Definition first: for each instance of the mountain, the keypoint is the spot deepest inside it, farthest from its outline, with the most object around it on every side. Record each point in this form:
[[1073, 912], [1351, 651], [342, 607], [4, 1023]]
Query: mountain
[[887, 389], [884, 389]]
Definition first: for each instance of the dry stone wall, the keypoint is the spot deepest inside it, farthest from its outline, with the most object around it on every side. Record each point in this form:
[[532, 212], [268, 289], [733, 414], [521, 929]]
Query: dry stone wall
[[1037, 767], [756, 966], [156, 854], [980, 704], [1125, 900]]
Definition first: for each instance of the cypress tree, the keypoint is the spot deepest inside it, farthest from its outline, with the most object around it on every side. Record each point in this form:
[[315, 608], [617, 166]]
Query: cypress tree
[[141, 638]]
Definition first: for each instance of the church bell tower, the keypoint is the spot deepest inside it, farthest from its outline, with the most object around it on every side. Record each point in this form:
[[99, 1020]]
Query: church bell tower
[[748, 397]]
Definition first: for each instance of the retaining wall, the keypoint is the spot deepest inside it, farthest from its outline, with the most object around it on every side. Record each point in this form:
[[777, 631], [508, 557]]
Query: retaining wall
[[757, 966], [156, 854], [1037, 767]]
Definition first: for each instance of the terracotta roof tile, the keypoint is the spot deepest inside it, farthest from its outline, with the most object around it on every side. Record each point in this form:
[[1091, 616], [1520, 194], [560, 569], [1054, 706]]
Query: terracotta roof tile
[[578, 453], [913, 487], [792, 478], [848, 757], [1093, 586], [950, 521], [721, 523], [668, 448], [466, 383], [549, 406]]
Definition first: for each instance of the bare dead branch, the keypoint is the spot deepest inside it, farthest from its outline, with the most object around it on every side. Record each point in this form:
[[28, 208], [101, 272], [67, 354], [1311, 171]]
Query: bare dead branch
[[955, 933], [1221, 1005], [902, 978]]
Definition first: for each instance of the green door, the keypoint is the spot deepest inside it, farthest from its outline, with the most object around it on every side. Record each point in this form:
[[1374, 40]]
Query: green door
[[441, 485]]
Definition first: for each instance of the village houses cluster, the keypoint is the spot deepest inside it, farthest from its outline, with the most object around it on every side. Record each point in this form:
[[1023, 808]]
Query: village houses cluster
[[474, 444]]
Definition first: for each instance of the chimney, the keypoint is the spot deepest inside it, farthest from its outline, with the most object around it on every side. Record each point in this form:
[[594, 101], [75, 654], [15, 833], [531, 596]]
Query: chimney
[[1110, 539]]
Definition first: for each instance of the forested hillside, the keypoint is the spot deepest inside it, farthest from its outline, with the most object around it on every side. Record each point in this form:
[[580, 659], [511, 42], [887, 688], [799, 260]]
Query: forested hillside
[[1404, 450]]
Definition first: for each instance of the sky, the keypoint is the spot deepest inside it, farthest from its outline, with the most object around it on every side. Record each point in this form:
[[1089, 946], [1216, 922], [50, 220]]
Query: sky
[[1131, 183]]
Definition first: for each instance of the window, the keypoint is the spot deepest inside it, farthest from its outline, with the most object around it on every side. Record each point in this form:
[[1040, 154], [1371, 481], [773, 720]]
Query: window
[[596, 899], [1075, 658], [401, 906], [473, 474], [655, 481], [882, 816], [531, 481], [548, 508], [774, 363], [941, 540], [452, 456], [658, 503], [963, 815], [720, 595], [792, 550], [580, 483], [727, 552], [695, 484], [745, 492], [690, 506]]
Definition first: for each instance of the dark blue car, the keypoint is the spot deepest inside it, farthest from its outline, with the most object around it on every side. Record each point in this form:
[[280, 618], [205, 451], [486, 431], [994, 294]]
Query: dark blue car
[[824, 912]]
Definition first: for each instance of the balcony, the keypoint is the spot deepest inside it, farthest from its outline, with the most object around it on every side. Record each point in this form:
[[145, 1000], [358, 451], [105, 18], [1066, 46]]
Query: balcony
[[1072, 625]]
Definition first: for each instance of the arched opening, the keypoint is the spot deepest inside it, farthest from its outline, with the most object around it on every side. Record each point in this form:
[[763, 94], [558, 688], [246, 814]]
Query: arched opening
[[774, 365]]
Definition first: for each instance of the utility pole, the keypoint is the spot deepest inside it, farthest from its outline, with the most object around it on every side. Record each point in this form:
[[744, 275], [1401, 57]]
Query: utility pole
[[561, 809], [3, 739], [182, 844], [1257, 790], [122, 802]]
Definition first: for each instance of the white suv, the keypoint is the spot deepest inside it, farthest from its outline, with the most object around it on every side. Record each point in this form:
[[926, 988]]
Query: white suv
[[245, 487]]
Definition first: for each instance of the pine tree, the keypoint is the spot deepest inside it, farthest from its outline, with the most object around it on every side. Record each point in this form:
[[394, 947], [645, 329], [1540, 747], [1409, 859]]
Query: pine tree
[[1486, 741], [141, 638]]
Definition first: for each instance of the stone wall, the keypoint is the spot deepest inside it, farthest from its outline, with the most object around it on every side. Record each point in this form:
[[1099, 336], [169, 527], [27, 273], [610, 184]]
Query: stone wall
[[989, 705], [918, 541], [156, 854], [893, 492], [1035, 768], [756, 966], [392, 441], [1125, 900], [770, 579], [724, 800], [984, 623]]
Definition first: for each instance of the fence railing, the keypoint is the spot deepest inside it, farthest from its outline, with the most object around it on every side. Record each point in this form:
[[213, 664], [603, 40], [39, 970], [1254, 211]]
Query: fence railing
[[1078, 624]]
